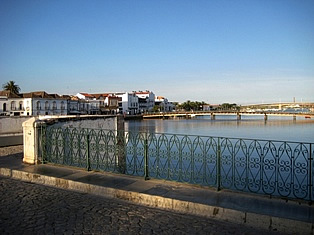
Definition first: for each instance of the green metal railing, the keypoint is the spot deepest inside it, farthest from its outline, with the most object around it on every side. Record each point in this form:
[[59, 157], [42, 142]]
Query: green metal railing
[[275, 168]]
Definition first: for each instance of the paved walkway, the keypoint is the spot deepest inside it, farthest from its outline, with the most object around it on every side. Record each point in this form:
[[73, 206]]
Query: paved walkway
[[28, 208], [33, 208]]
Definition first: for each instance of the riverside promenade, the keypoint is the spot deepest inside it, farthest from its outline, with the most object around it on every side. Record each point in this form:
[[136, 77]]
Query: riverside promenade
[[47, 199]]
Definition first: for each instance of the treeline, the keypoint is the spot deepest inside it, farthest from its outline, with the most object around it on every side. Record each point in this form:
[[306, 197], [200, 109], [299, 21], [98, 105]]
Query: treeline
[[199, 106], [191, 106], [227, 106]]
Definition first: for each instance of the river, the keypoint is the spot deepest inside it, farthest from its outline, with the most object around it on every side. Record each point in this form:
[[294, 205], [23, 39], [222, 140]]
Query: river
[[251, 127]]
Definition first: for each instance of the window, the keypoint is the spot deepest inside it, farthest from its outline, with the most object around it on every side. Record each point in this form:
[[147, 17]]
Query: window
[[46, 105], [13, 105], [4, 107], [62, 105], [38, 106], [21, 105], [27, 105], [54, 105]]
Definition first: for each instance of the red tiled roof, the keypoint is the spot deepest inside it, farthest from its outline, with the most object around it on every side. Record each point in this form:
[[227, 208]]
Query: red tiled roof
[[87, 95], [97, 96], [142, 92]]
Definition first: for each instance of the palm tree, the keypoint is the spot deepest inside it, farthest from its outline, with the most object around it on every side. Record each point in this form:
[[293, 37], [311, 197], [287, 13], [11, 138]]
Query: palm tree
[[11, 86]]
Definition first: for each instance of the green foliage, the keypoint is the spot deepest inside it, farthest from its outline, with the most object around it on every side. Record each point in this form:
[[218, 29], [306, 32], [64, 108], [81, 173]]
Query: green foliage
[[156, 109], [191, 105], [227, 106], [11, 86], [198, 106]]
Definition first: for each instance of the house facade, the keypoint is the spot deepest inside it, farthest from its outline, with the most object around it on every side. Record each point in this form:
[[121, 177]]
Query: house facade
[[146, 100], [128, 103], [108, 103], [42, 103], [32, 104], [103, 103], [11, 104], [90, 104], [164, 104]]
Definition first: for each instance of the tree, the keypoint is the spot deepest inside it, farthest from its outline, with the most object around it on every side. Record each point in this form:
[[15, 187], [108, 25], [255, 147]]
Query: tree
[[192, 105], [11, 86], [156, 109], [227, 106]]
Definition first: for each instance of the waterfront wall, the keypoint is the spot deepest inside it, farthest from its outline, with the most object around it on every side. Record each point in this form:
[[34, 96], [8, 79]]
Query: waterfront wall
[[11, 130], [12, 125], [32, 129]]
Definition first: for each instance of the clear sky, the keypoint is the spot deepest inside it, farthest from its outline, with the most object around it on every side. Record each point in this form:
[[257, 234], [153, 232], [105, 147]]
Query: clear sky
[[213, 50]]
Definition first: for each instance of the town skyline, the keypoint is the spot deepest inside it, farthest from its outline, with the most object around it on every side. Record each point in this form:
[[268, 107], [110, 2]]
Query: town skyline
[[212, 51], [157, 95], [294, 100]]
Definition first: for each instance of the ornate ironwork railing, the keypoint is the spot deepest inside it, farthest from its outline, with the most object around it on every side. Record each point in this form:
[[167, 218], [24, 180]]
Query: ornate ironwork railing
[[274, 168]]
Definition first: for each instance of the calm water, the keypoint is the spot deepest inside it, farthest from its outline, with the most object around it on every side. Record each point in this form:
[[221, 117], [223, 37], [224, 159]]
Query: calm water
[[275, 128]]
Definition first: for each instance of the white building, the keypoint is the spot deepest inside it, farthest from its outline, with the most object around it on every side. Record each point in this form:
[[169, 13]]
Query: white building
[[128, 103], [41, 103], [146, 100], [109, 103], [164, 104], [32, 104], [11, 104], [91, 104], [77, 106]]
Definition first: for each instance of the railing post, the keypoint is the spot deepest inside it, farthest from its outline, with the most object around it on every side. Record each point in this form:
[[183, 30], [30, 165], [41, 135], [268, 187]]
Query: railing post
[[88, 153], [64, 139], [121, 152], [42, 144], [146, 175], [121, 145], [31, 140], [218, 165]]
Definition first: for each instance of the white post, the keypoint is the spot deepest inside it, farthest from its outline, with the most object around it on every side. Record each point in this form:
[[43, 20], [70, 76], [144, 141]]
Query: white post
[[29, 141]]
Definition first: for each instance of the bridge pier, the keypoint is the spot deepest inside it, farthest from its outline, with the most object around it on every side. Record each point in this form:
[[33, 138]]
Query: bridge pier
[[238, 116], [265, 117]]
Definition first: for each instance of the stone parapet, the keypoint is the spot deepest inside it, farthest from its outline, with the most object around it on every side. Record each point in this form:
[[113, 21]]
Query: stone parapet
[[32, 127]]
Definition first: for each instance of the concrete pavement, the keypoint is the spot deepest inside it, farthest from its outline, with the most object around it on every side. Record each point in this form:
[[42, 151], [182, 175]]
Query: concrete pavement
[[256, 211]]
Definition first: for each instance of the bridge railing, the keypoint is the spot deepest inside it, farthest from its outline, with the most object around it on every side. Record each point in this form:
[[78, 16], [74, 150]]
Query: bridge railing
[[275, 168]]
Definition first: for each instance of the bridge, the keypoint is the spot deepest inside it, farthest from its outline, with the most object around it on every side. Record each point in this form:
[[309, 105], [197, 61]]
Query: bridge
[[213, 114], [281, 105]]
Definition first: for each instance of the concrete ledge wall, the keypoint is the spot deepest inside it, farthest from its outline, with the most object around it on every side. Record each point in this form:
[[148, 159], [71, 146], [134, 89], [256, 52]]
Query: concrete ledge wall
[[10, 140], [12, 124], [84, 121], [31, 130], [270, 223]]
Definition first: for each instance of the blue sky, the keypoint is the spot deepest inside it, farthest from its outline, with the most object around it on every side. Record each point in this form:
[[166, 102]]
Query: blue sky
[[214, 51]]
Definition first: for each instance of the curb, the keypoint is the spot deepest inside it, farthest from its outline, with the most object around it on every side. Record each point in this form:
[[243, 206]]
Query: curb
[[270, 223]]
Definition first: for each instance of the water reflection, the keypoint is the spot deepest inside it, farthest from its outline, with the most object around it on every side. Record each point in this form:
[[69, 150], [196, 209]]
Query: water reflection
[[275, 128]]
